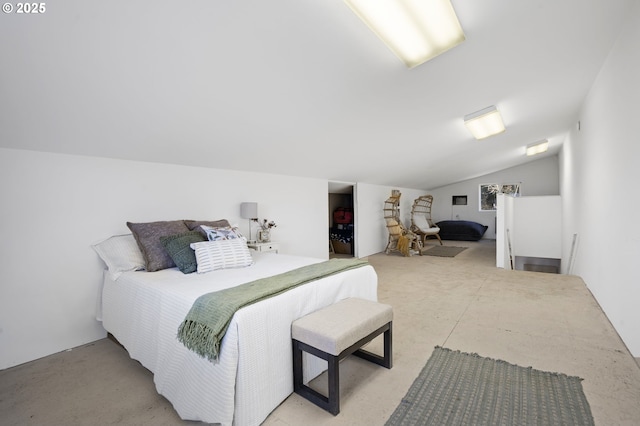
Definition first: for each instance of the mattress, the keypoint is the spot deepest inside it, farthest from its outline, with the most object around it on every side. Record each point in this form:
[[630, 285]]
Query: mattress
[[461, 230], [253, 375]]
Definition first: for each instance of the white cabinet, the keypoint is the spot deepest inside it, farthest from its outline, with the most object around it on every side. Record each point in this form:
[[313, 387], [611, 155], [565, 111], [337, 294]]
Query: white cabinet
[[264, 247]]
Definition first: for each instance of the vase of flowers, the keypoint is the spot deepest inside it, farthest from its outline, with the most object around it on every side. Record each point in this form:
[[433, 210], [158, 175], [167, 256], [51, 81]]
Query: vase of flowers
[[264, 235]]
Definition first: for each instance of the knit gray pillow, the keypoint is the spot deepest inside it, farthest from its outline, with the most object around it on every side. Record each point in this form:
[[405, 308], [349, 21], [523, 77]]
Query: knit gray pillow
[[148, 235], [178, 248]]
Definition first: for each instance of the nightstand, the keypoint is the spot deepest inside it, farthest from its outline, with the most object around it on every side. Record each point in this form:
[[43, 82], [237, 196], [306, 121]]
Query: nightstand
[[264, 247]]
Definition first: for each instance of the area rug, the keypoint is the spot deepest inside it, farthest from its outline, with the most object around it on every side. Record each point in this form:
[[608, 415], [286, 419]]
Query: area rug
[[444, 251], [457, 388]]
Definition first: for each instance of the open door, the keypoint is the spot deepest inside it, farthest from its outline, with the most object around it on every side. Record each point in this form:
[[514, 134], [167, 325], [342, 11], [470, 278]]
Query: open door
[[341, 220]]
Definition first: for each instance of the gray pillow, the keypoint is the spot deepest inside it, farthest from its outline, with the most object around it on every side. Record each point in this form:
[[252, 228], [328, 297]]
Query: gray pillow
[[182, 254], [148, 235]]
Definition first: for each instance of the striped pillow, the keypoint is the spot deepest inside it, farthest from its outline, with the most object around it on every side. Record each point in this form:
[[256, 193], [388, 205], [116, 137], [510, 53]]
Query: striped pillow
[[222, 254]]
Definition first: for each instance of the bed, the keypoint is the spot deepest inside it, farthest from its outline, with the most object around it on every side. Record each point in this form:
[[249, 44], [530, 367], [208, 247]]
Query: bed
[[253, 373], [461, 230]]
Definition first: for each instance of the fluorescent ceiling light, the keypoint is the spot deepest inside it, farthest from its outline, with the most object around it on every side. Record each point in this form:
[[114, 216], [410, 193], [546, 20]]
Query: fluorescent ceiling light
[[484, 123], [415, 30], [538, 147]]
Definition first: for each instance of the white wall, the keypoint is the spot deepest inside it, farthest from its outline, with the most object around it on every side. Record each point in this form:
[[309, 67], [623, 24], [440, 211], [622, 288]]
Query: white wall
[[538, 177], [371, 228], [599, 180], [504, 221], [537, 226], [528, 227], [54, 206]]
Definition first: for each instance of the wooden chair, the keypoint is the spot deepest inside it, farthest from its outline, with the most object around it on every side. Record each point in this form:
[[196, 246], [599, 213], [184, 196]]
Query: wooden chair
[[400, 238], [421, 223]]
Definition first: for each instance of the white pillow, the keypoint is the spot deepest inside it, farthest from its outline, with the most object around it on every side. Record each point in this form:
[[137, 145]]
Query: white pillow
[[221, 233], [222, 254], [423, 224], [120, 253]]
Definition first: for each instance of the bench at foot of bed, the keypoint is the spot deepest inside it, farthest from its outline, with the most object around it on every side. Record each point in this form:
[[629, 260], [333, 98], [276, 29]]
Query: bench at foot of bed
[[333, 333]]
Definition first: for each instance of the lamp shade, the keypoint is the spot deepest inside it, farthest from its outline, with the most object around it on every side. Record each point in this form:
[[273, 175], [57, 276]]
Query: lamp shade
[[249, 210]]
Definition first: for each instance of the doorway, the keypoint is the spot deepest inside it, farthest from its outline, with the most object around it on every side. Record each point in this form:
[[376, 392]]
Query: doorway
[[341, 220]]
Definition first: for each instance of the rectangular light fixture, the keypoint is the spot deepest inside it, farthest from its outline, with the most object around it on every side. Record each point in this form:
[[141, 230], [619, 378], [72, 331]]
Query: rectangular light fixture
[[484, 123], [538, 147], [415, 30]]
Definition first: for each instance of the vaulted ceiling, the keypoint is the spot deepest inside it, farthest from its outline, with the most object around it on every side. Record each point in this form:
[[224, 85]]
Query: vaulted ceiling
[[296, 87]]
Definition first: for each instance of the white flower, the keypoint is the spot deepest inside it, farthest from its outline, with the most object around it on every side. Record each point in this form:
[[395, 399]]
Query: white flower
[[267, 225]]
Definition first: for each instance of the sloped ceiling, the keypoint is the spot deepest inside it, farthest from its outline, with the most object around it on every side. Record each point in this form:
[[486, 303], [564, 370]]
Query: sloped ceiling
[[296, 87]]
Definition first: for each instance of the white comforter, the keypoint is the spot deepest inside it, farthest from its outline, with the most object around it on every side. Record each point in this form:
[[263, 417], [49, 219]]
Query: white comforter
[[143, 310]]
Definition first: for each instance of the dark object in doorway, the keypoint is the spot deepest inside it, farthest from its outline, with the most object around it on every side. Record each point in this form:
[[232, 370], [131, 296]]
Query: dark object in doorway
[[343, 215], [341, 248]]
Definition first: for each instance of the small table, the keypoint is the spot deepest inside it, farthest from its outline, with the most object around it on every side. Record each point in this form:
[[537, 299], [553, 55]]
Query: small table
[[264, 247]]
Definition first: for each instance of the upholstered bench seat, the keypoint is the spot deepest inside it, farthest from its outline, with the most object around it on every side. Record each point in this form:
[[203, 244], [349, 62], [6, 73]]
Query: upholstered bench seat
[[334, 332]]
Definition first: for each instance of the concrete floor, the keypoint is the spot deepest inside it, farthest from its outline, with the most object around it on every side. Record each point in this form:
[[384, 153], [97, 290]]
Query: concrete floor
[[547, 321]]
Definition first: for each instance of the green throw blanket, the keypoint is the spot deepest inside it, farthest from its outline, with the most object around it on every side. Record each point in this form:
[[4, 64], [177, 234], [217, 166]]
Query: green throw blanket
[[209, 317]]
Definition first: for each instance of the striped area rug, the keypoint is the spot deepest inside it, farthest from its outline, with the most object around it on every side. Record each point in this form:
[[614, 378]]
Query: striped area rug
[[457, 388], [443, 251]]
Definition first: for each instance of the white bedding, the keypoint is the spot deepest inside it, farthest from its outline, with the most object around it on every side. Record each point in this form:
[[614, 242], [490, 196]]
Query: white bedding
[[143, 310]]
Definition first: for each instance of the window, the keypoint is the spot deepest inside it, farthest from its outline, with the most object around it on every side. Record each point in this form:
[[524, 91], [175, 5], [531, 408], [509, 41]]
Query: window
[[489, 191], [459, 200]]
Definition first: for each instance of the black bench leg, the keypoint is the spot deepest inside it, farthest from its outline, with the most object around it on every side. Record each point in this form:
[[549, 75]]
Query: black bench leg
[[331, 403], [387, 359], [388, 352], [297, 367], [333, 371]]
